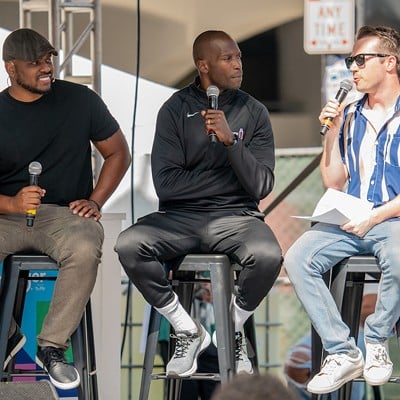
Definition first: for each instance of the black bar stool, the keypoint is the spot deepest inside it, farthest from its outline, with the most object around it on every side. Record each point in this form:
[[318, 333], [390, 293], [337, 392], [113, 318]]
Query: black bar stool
[[222, 283], [14, 282], [346, 282]]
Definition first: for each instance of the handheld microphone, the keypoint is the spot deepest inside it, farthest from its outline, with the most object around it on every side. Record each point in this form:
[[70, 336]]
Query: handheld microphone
[[212, 94], [35, 169], [345, 87]]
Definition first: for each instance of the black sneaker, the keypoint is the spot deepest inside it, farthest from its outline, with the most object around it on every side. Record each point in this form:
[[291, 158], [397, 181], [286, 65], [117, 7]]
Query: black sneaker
[[14, 345], [62, 375]]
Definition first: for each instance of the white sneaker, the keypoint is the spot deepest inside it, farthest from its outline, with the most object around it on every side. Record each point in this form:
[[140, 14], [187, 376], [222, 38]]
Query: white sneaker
[[337, 369], [188, 347], [242, 362], [378, 367]]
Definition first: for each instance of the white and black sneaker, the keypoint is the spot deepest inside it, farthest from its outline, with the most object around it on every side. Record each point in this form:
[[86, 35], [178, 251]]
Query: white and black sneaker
[[243, 364], [242, 361], [14, 345], [62, 375], [188, 347]]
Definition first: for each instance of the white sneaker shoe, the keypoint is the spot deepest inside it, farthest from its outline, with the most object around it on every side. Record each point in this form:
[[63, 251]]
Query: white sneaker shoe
[[242, 361], [243, 364], [378, 367], [337, 369], [188, 347]]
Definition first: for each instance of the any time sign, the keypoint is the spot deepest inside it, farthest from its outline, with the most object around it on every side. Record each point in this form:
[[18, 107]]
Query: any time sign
[[328, 26]]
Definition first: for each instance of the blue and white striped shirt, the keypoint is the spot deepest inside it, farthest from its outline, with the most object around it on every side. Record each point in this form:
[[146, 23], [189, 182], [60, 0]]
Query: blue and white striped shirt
[[371, 157]]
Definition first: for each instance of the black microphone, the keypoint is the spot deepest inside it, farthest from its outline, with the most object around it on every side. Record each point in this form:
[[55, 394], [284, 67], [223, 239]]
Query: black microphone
[[212, 94], [345, 87], [35, 169]]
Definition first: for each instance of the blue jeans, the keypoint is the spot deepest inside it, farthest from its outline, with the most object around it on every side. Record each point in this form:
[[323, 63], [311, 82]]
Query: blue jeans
[[321, 248]]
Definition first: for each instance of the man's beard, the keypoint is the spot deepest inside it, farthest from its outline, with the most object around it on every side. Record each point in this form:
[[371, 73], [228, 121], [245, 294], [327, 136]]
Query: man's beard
[[30, 88]]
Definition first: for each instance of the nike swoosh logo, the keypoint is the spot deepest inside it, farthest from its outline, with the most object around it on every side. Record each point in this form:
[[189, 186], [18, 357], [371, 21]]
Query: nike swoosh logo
[[191, 115]]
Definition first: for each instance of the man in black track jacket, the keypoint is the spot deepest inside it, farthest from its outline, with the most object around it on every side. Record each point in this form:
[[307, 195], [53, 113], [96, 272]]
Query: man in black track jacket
[[208, 196]]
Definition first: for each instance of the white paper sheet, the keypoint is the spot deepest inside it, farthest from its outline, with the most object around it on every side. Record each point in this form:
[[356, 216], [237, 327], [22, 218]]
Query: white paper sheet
[[336, 207]]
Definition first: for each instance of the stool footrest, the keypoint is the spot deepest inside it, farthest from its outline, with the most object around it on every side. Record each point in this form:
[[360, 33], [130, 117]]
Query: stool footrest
[[393, 379], [209, 376], [33, 373]]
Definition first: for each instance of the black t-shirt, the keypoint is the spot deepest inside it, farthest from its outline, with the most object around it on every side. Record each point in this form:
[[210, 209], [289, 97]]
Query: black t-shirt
[[56, 131]]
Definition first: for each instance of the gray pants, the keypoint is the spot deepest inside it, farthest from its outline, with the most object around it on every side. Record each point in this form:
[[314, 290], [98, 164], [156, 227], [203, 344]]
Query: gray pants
[[75, 242]]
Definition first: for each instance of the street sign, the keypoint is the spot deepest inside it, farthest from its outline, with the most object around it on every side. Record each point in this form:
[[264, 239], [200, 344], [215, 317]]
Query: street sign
[[328, 26]]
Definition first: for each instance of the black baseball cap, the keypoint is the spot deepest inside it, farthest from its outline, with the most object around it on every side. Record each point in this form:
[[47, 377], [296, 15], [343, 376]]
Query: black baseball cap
[[27, 45]]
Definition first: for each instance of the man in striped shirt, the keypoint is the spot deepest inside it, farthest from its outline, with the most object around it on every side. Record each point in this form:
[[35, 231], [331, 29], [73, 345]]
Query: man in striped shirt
[[362, 153]]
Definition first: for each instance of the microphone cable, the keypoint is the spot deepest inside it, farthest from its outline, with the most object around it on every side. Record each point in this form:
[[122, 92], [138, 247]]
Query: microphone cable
[[132, 198]]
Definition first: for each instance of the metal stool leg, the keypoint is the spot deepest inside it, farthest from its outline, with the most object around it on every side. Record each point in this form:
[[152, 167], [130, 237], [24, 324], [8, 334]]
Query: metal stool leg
[[222, 287], [351, 310], [150, 353], [84, 356], [8, 289], [398, 332], [250, 333], [317, 351]]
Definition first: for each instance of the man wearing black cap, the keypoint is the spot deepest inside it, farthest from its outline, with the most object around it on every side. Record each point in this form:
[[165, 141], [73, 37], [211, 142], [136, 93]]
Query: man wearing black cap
[[54, 122]]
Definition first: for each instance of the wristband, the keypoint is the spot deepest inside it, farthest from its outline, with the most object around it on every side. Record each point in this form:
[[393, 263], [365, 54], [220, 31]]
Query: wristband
[[97, 204], [235, 140]]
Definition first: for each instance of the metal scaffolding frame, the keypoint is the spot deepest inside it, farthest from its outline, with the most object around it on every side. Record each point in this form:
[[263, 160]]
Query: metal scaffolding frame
[[61, 33]]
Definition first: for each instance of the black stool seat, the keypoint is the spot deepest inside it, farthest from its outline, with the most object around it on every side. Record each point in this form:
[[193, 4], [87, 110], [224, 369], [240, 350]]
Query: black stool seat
[[222, 283], [39, 390], [14, 281]]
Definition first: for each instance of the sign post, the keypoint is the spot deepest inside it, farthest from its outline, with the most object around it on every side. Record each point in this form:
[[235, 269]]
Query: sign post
[[328, 26]]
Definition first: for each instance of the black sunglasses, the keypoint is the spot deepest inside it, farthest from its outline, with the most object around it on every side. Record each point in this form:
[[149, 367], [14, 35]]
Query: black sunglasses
[[360, 58]]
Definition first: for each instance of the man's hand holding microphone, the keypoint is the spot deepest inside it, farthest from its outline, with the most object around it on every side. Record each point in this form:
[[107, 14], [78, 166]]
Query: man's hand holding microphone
[[331, 116], [217, 127], [334, 110], [28, 199]]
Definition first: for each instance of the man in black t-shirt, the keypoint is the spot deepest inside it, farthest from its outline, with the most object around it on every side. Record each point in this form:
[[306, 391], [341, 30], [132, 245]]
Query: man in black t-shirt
[[47, 127]]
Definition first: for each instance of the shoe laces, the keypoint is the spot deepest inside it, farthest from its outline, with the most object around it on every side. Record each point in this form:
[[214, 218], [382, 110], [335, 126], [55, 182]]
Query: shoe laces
[[182, 344], [377, 354], [54, 355], [331, 363], [239, 346]]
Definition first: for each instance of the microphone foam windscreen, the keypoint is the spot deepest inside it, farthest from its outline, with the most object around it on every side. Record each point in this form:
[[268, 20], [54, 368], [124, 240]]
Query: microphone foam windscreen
[[35, 168], [212, 91], [346, 84]]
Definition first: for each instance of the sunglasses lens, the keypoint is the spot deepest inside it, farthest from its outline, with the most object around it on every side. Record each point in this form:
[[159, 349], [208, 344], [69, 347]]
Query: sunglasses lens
[[359, 59], [348, 61]]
